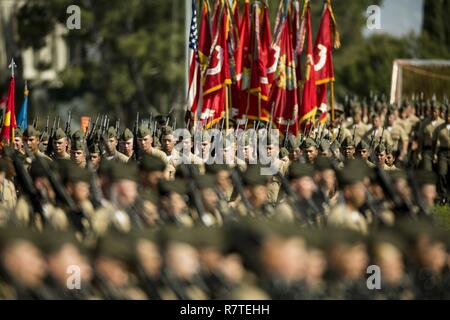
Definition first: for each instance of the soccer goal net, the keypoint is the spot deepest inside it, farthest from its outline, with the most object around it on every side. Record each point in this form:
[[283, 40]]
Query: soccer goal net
[[425, 78]]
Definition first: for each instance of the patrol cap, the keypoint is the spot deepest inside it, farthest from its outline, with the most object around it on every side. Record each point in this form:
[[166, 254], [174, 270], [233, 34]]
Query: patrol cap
[[37, 168], [380, 148], [435, 106], [166, 187], [284, 152], [253, 176], [143, 131], [355, 170], [54, 240], [127, 135], [206, 181], [150, 163], [348, 142], [206, 136], [94, 148], [59, 134], [308, 142], [299, 170], [123, 171], [363, 144], [77, 144], [77, 135], [13, 234], [397, 174], [44, 136], [105, 167], [18, 132], [339, 108], [150, 195], [78, 174], [425, 177], [324, 145], [116, 246], [184, 171], [166, 130], [215, 168], [292, 143], [112, 133], [323, 163], [3, 165], [31, 132], [389, 149]]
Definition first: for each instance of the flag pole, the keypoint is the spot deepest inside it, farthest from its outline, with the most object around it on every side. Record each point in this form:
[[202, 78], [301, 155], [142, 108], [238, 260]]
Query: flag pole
[[12, 66], [332, 100], [226, 107]]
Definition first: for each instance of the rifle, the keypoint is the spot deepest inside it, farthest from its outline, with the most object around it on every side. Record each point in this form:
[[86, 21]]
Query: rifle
[[191, 176], [69, 120], [57, 124], [135, 139], [74, 215], [301, 213], [236, 175], [245, 125], [150, 121], [118, 128], [35, 122], [286, 137], [45, 129], [90, 133], [25, 181], [381, 137], [49, 150]]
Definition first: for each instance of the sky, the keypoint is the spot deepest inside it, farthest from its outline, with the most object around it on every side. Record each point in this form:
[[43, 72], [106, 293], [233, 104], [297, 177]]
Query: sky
[[399, 17]]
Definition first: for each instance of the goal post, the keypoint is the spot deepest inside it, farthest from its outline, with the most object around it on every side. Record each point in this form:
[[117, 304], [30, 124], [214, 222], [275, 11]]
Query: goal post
[[426, 78]]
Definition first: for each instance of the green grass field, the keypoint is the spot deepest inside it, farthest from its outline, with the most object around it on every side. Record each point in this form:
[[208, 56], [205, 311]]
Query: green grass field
[[443, 215]]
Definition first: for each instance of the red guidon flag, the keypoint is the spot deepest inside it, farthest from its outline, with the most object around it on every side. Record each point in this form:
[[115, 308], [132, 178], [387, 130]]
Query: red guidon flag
[[257, 84], [323, 62], [217, 75], [283, 95], [241, 57], [204, 38], [308, 107], [269, 52], [9, 121]]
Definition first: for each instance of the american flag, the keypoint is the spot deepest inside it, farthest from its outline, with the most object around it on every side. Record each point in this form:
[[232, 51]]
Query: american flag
[[194, 66]]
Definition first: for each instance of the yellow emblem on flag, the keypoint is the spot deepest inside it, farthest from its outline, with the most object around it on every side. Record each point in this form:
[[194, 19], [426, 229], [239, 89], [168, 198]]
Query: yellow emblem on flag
[[7, 121]]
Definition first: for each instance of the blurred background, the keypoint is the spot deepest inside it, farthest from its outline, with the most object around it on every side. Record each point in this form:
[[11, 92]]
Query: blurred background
[[129, 55]]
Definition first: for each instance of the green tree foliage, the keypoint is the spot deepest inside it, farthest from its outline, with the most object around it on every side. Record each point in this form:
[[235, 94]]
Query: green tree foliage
[[435, 38], [128, 55]]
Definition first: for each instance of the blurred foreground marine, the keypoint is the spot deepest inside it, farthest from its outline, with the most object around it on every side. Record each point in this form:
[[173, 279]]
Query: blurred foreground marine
[[167, 220]]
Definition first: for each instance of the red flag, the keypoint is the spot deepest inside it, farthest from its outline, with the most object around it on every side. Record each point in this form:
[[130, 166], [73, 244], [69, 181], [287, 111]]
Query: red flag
[[9, 121], [323, 65], [308, 107], [205, 38], [217, 75], [323, 62], [258, 92], [255, 86], [268, 53], [283, 95], [241, 56], [298, 38]]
